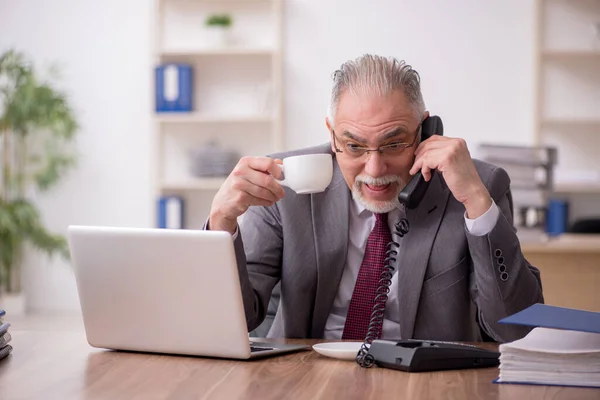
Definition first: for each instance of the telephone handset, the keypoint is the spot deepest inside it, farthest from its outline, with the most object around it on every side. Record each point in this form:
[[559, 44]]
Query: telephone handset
[[410, 196], [414, 191]]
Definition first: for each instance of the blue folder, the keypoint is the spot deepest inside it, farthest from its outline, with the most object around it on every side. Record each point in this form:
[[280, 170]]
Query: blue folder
[[546, 316]]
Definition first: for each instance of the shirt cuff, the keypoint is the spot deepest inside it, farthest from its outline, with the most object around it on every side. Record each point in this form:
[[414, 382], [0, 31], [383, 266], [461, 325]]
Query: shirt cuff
[[484, 224], [235, 234]]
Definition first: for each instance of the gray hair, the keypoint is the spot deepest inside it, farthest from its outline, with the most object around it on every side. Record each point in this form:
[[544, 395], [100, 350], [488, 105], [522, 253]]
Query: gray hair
[[372, 74]]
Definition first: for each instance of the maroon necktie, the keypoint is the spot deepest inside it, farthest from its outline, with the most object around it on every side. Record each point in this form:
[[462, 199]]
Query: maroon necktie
[[367, 282]]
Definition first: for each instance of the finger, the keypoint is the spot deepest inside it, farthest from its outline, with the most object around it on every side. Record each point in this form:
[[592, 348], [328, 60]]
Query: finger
[[426, 171], [256, 171], [264, 181], [427, 162], [240, 207], [264, 203], [255, 201], [244, 196], [265, 164], [434, 142], [260, 193], [416, 166], [276, 170]]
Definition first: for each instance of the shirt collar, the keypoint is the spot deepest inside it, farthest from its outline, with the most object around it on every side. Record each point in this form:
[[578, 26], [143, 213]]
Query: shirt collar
[[359, 209]]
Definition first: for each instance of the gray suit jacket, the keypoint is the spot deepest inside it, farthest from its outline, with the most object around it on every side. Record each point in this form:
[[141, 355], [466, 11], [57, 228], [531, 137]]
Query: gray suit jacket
[[450, 284]]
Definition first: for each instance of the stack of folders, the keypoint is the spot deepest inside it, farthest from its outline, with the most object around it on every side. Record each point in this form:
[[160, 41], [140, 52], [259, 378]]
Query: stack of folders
[[531, 171], [563, 349], [5, 348], [529, 167]]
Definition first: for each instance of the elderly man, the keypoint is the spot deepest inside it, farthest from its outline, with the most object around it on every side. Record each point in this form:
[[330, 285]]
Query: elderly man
[[457, 271]]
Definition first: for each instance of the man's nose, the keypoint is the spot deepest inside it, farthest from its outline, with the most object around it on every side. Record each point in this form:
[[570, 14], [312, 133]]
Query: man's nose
[[375, 165]]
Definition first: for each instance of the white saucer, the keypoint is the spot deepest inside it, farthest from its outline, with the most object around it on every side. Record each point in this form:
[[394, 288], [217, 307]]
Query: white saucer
[[340, 350]]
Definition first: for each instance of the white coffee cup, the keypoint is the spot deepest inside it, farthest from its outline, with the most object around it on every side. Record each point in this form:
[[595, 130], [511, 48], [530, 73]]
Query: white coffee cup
[[309, 173]]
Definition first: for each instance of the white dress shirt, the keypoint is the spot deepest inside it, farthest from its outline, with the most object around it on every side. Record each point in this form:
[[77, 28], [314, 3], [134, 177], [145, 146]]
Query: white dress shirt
[[361, 223]]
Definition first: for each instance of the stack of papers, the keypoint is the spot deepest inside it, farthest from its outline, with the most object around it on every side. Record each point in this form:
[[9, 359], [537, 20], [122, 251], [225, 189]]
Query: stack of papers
[[5, 348], [564, 348], [552, 357]]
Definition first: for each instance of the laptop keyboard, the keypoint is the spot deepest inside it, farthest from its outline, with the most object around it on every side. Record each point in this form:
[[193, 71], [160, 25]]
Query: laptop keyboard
[[255, 349]]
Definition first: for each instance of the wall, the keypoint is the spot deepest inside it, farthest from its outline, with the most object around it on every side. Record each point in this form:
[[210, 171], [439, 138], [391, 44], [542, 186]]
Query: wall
[[475, 59], [104, 51]]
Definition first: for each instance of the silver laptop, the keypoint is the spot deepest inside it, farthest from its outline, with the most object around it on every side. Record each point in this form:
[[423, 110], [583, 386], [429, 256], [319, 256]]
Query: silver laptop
[[163, 291]]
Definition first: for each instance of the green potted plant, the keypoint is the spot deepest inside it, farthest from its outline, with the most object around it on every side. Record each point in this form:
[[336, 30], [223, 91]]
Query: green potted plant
[[219, 29], [37, 128]]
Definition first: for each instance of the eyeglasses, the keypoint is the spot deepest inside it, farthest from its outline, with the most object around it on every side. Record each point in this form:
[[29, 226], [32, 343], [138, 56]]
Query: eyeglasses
[[354, 150]]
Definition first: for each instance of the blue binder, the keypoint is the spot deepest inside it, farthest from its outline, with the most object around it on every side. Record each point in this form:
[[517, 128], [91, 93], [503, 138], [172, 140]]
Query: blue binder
[[174, 88], [170, 212]]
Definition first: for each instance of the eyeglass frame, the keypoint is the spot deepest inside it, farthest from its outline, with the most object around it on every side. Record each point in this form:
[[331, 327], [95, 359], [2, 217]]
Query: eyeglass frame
[[380, 148]]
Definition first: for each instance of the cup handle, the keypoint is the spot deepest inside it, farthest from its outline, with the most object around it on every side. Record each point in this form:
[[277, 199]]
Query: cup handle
[[283, 181]]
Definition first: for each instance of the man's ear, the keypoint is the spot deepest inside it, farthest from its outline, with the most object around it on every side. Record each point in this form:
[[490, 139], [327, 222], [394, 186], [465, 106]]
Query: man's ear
[[330, 129], [425, 115]]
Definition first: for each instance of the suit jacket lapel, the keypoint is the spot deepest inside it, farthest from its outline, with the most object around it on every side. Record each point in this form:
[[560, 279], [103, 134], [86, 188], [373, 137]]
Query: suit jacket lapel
[[330, 225], [414, 251]]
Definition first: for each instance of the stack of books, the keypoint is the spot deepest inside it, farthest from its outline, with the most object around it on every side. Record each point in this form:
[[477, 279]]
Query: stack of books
[[5, 348], [563, 349]]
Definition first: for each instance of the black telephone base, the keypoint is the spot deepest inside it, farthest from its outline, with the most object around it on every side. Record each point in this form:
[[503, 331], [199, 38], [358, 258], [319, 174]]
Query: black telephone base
[[428, 355]]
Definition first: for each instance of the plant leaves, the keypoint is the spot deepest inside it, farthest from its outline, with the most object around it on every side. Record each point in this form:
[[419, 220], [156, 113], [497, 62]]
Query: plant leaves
[[37, 130]]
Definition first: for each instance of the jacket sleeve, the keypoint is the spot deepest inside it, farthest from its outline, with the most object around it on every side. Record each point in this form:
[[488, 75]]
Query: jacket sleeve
[[258, 248], [502, 280]]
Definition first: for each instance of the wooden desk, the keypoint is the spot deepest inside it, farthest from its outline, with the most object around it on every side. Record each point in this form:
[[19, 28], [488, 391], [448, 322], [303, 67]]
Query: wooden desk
[[570, 270], [61, 365]]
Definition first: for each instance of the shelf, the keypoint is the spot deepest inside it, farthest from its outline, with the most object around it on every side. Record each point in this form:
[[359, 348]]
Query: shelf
[[239, 1], [577, 187], [224, 51], [513, 162], [571, 54], [566, 243], [194, 184], [571, 121], [186, 118]]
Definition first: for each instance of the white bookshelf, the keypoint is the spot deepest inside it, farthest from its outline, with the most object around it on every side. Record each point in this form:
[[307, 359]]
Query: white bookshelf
[[571, 55], [575, 122], [199, 118], [238, 92], [577, 188], [210, 184], [567, 97], [232, 51]]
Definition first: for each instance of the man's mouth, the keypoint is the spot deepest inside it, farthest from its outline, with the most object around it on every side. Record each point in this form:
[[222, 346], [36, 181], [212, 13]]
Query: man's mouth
[[378, 188]]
